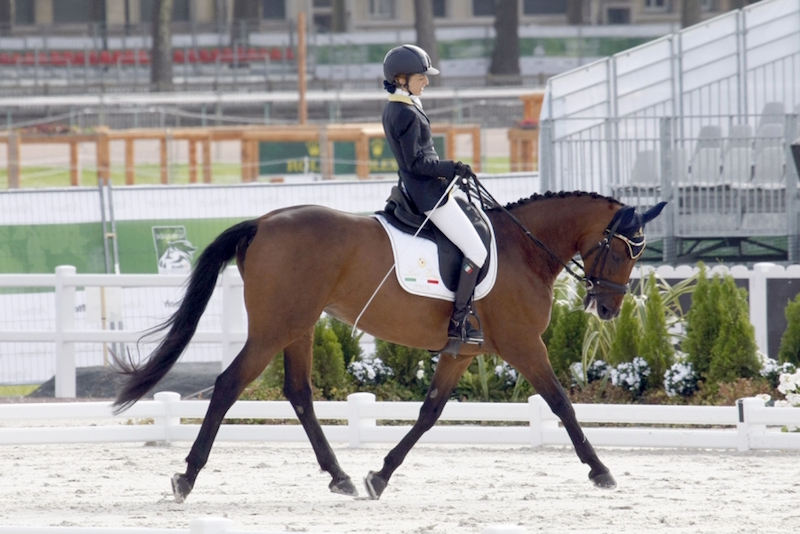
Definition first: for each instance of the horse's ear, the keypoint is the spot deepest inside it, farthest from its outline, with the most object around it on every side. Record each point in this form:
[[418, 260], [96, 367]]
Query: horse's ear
[[652, 213], [626, 216]]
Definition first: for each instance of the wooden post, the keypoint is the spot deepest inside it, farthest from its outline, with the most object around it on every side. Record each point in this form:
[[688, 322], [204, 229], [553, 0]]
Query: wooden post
[[192, 161], [164, 162], [476, 149], [362, 156], [13, 160], [450, 143], [103, 156], [74, 164], [130, 164], [207, 160], [301, 67]]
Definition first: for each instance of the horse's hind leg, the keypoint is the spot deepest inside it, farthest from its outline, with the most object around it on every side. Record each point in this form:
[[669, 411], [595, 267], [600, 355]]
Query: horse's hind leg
[[227, 388], [445, 378], [297, 359]]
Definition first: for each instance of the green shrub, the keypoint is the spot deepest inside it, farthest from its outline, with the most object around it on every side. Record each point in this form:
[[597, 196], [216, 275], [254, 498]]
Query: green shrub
[[655, 346], [566, 342], [405, 363], [328, 372], [790, 341], [733, 355], [628, 335], [351, 348], [702, 324]]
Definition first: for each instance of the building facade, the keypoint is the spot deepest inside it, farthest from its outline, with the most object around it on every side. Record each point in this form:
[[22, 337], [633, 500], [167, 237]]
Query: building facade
[[75, 16]]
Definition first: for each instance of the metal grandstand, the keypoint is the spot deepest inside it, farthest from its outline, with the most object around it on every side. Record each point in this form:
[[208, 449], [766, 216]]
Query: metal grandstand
[[703, 118]]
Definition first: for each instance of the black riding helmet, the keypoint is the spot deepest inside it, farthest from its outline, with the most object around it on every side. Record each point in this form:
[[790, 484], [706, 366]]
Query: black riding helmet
[[406, 59]]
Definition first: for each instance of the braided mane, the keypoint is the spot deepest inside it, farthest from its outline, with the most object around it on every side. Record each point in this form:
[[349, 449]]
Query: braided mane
[[560, 194]]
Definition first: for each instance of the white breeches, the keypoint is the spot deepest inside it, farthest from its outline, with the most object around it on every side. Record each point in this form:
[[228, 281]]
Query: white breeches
[[454, 223]]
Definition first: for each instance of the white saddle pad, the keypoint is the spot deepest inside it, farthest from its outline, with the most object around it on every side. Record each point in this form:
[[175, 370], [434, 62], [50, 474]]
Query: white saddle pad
[[417, 264]]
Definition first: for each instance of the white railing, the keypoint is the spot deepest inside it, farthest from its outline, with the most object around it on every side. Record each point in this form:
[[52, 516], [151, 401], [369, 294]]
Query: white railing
[[65, 335], [232, 332], [749, 425]]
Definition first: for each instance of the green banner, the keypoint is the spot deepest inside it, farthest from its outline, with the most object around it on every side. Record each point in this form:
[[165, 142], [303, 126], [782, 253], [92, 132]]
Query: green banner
[[303, 157], [39, 249]]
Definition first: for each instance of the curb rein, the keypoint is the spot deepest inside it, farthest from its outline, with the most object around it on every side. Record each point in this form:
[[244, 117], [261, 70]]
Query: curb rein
[[591, 283]]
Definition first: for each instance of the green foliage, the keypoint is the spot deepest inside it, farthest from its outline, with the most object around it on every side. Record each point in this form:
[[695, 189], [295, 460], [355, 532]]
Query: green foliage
[[328, 373], [405, 362], [625, 343], [655, 346], [566, 342], [733, 355], [273, 375], [351, 349], [790, 341], [702, 323], [480, 382]]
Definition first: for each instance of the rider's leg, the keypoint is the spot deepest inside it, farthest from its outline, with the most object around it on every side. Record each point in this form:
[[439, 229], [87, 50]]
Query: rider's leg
[[454, 223]]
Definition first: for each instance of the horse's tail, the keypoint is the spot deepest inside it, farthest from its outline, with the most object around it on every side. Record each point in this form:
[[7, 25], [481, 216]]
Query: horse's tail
[[140, 378]]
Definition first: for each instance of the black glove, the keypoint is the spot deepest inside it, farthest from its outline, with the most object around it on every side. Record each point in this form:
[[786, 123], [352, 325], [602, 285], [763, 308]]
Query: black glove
[[463, 170]]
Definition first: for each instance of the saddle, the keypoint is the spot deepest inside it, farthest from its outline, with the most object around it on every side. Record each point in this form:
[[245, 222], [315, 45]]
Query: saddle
[[401, 213]]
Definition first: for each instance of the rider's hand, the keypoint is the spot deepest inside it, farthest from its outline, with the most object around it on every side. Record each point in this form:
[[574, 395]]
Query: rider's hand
[[463, 170]]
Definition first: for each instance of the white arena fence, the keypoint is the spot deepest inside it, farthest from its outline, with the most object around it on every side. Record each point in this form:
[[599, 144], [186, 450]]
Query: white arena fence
[[69, 331], [748, 426]]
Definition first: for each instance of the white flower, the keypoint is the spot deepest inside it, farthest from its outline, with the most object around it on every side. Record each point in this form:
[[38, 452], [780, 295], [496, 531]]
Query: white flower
[[420, 373]]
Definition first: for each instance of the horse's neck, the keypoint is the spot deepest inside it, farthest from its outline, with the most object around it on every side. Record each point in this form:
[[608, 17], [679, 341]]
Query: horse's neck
[[560, 223]]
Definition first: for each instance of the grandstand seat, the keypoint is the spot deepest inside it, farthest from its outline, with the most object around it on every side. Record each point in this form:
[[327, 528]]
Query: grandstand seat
[[740, 136], [206, 56], [57, 58], [705, 169], [178, 56], [275, 54], [772, 113], [769, 167], [768, 135], [737, 165], [710, 136]]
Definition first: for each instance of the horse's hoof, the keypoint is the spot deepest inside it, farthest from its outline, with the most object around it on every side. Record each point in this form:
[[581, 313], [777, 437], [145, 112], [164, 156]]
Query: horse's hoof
[[180, 488], [374, 485], [603, 480], [343, 487]]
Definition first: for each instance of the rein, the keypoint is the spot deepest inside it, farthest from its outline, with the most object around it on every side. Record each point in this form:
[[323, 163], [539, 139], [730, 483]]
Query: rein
[[588, 280]]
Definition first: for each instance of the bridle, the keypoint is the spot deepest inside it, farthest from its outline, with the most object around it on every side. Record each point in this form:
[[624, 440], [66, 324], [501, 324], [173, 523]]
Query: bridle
[[595, 285]]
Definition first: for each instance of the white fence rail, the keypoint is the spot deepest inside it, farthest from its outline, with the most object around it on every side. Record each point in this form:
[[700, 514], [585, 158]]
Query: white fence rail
[[750, 425], [230, 332]]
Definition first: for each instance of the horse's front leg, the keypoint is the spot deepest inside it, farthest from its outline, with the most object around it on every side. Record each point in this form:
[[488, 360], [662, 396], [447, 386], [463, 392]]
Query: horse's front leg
[[445, 378], [535, 366], [297, 359]]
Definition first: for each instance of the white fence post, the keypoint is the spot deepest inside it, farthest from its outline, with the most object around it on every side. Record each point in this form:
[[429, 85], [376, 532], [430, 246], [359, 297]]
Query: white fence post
[[232, 316], [354, 421], [758, 303], [65, 320], [535, 403], [744, 428], [168, 422], [210, 525]]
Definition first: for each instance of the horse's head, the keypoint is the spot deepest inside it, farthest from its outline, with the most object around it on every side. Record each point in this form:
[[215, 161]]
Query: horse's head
[[609, 259]]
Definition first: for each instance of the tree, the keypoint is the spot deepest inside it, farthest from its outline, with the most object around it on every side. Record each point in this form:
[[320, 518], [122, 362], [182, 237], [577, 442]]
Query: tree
[[690, 13], [161, 56], [575, 12], [655, 346], [702, 324], [790, 340], [328, 372], [426, 33], [504, 68], [625, 345], [733, 355]]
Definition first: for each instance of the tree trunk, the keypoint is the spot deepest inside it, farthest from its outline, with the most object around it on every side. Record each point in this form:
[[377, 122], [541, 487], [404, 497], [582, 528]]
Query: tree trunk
[[504, 69], [161, 56], [690, 13], [339, 18], [575, 12], [246, 17], [6, 16], [426, 33]]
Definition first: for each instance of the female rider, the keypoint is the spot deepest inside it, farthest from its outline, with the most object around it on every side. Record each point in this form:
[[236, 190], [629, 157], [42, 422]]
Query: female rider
[[426, 177]]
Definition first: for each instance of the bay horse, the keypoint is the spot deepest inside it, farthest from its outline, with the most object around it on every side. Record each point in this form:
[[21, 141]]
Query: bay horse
[[300, 261]]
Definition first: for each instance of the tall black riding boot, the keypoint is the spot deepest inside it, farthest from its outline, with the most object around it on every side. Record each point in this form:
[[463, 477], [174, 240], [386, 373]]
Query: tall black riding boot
[[460, 327]]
